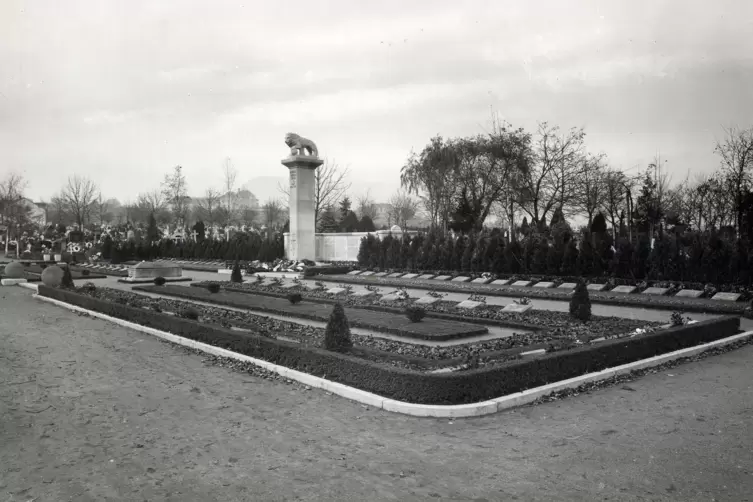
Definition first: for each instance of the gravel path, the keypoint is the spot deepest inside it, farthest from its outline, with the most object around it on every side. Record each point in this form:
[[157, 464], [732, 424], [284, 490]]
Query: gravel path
[[92, 412]]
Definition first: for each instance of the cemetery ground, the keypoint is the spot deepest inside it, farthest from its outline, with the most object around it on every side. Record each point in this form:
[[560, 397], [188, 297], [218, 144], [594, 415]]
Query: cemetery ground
[[94, 411]]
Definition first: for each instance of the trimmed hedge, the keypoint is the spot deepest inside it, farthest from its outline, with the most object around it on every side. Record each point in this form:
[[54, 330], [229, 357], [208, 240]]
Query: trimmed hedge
[[326, 270], [413, 386]]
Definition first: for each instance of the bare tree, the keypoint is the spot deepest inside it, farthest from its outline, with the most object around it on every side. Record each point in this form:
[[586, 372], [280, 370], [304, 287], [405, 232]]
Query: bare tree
[[403, 207], [366, 206], [591, 185], [330, 186], [209, 208], [615, 184], [274, 213], [736, 152], [175, 191], [551, 180], [13, 211], [78, 196], [102, 210], [230, 175], [248, 215]]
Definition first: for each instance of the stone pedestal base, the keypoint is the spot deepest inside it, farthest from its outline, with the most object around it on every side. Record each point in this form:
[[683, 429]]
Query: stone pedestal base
[[302, 238]]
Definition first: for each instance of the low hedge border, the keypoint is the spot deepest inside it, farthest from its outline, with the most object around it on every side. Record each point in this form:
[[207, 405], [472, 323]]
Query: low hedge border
[[699, 305], [389, 310], [415, 387], [183, 292]]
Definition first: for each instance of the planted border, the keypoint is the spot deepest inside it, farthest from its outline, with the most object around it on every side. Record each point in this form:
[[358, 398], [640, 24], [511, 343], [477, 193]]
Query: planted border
[[412, 386], [700, 305]]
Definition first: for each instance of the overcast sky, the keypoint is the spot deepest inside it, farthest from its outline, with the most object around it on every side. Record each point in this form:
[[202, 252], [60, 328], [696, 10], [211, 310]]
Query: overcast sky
[[121, 91]]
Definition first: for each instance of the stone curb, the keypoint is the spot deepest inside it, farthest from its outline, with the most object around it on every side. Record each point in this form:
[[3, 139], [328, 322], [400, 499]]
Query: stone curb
[[416, 410]]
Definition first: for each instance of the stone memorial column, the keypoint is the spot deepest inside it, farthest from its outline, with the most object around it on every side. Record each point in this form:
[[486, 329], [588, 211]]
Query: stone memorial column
[[302, 163]]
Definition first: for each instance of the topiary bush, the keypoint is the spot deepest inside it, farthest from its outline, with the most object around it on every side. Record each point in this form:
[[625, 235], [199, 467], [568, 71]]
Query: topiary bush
[[85, 272], [580, 303], [415, 313], [189, 313], [295, 298], [67, 281], [213, 287], [337, 333], [159, 281], [236, 276]]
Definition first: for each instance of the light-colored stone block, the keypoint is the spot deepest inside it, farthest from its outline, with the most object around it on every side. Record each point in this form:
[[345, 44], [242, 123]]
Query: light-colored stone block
[[12, 282], [461, 278], [656, 291], [409, 276], [596, 287], [726, 297], [380, 274], [517, 308], [501, 282], [426, 277], [150, 270], [624, 289], [442, 278], [395, 275], [368, 273], [336, 291], [228, 271], [530, 353], [354, 272], [544, 285], [689, 293], [481, 280], [289, 285], [364, 293], [567, 285], [468, 304], [389, 298], [427, 300], [522, 284]]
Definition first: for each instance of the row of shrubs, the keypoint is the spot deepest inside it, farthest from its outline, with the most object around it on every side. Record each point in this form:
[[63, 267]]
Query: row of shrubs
[[247, 247], [686, 257], [413, 386]]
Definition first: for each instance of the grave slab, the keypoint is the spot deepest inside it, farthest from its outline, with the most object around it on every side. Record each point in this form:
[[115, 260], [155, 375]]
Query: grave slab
[[354, 272], [481, 280], [426, 277], [389, 298], [530, 353], [624, 289], [336, 291], [364, 293], [147, 271], [380, 274], [689, 293], [427, 300], [516, 307], [289, 285], [395, 275], [12, 282], [726, 297], [442, 278], [522, 284], [567, 285], [656, 291], [461, 278], [596, 287], [501, 282], [544, 284], [368, 273], [409, 276], [468, 304]]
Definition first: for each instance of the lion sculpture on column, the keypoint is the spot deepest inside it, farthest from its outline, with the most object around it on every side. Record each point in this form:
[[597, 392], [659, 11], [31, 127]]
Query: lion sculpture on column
[[300, 146]]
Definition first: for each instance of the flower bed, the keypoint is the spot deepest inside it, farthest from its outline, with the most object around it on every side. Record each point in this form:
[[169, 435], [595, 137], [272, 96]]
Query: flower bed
[[602, 297], [413, 386], [377, 321], [554, 325]]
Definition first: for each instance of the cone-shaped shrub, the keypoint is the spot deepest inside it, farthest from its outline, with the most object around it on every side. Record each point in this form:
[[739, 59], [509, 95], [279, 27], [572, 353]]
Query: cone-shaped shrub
[[236, 275], [580, 303], [213, 287], [67, 281], [337, 333], [159, 281]]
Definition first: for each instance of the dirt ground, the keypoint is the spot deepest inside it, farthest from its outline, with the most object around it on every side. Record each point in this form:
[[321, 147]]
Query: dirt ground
[[90, 411]]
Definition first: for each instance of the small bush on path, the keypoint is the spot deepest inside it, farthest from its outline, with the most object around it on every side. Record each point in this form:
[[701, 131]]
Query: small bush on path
[[337, 333]]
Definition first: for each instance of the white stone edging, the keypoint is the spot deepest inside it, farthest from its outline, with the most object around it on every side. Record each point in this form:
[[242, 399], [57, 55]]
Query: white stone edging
[[417, 410]]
